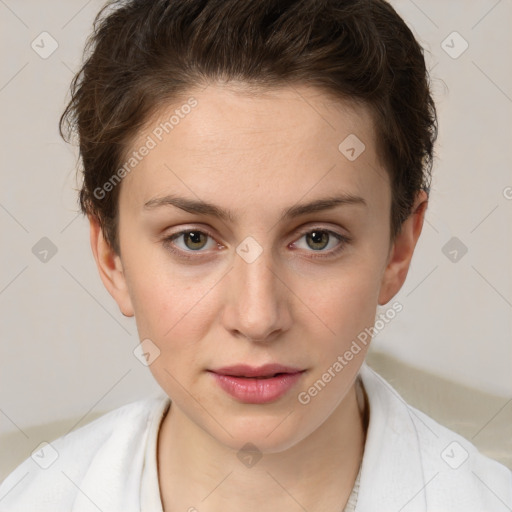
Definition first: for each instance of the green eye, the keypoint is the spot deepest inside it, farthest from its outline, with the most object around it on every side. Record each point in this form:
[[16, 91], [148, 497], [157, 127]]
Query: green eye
[[197, 239], [324, 242], [317, 239]]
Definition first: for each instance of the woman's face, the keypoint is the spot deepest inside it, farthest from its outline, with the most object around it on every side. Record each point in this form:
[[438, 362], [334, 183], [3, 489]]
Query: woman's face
[[261, 277]]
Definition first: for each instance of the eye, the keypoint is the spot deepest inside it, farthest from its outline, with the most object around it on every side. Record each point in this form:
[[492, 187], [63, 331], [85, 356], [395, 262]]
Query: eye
[[324, 241], [192, 240]]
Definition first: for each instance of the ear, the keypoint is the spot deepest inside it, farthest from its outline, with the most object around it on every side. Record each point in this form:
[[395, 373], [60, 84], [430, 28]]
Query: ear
[[402, 250], [110, 268]]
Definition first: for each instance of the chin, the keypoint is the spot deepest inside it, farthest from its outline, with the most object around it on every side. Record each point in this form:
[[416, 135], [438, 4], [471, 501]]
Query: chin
[[268, 435]]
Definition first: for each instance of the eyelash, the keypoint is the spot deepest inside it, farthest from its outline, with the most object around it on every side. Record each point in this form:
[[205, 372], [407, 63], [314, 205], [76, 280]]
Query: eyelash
[[343, 239]]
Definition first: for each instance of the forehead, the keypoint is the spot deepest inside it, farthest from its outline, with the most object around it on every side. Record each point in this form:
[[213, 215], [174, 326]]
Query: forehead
[[267, 145]]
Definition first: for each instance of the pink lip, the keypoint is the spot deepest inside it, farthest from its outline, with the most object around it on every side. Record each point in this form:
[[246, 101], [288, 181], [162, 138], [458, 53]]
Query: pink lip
[[242, 382]]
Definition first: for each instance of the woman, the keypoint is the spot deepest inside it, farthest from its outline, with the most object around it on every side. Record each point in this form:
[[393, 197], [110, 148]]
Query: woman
[[256, 177]]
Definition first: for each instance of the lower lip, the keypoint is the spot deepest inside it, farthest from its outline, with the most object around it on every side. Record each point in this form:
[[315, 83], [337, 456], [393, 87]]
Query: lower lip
[[257, 391]]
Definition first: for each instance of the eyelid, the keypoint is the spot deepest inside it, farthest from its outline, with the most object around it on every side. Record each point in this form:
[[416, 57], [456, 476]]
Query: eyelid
[[309, 228], [168, 239]]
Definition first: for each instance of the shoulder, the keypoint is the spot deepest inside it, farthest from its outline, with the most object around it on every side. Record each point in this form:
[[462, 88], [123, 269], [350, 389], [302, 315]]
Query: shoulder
[[460, 474], [107, 453], [428, 466]]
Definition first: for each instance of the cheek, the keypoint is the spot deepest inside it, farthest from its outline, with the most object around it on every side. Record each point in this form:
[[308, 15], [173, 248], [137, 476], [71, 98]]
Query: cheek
[[346, 307], [174, 314], [167, 306], [345, 302], [173, 305], [157, 290]]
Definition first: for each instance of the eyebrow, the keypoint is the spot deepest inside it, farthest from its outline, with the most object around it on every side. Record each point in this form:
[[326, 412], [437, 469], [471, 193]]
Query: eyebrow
[[205, 208]]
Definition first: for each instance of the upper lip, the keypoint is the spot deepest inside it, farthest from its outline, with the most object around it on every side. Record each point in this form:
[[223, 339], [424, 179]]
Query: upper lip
[[244, 370]]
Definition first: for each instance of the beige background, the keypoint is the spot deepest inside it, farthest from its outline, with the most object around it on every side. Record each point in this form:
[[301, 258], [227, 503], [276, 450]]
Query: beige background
[[66, 351]]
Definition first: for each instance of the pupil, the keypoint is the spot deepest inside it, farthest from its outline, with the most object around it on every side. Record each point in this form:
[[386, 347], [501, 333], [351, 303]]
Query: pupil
[[195, 237], [318, 237]]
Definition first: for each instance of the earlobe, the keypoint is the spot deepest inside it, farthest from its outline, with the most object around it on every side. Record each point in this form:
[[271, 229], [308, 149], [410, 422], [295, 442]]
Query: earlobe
[[402, 250], [110, 268]]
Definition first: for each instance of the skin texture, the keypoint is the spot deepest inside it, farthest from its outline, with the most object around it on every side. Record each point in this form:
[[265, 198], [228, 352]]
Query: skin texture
[[257, 155]]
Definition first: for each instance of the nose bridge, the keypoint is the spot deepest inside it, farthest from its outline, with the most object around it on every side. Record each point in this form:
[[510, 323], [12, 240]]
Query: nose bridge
[[257, 303]]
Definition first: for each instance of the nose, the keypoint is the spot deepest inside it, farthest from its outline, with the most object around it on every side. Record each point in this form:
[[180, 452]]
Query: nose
[[257, 306]]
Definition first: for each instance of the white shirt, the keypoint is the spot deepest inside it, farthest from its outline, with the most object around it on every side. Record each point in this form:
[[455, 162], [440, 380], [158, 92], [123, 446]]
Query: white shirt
[[410, 464]]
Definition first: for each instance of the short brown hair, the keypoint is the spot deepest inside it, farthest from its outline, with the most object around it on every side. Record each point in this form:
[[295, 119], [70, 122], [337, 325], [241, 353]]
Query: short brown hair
[[143, 54]]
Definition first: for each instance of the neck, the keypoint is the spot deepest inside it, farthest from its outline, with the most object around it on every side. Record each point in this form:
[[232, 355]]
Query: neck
[[318, 473]]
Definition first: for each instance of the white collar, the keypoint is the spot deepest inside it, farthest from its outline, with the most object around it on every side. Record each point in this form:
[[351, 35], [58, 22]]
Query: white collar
[[391, 453]]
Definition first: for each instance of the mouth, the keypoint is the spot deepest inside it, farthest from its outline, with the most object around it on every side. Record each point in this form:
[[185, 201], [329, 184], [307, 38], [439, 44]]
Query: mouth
[[260, 385], [267, 371]]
